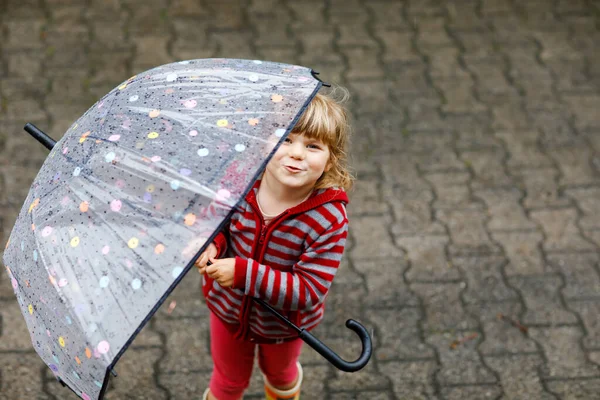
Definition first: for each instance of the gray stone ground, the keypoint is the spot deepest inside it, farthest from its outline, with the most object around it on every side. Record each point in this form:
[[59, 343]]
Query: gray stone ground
[[477, 150]]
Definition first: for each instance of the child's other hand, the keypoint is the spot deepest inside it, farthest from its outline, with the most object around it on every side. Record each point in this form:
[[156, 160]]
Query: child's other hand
[[209, 253], [222, 271]]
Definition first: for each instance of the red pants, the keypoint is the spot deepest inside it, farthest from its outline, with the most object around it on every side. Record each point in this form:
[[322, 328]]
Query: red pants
[[233, 361]]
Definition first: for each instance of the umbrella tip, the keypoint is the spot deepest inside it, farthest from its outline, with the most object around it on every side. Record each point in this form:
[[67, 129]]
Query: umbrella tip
[[314, 74]]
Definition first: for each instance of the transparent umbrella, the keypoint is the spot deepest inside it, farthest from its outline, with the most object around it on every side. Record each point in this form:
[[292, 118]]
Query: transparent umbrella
[[130, 196]]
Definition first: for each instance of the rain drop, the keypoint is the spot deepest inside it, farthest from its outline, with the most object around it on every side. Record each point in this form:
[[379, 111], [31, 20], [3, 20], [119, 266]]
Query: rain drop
[[104, 281], [176, 272]]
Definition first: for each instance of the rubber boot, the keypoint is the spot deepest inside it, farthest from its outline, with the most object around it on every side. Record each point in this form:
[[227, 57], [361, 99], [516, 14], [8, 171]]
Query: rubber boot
[[291, 394]]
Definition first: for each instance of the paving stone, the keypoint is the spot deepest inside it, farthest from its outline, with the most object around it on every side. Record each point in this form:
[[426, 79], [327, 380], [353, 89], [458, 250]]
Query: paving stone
[[410, 177], [385, 283], [348, 289], [397, 334], [443, 63], [484, 278], [375, 241], [181, 385], [541, 296], [564, 355], [584, 107], [501, 328], [471, 392], [22, 376], [560, 228], [476, 139], [443, 308], [472, 370], [575, 166], [411, 211], [519, 377], [588, 310], [523, 252], [523, 153], [186, 345], [593, 235], [427, 256], [505, 209], [488, 167], [448, 178], [587, 200], [467, 231], [510, 116], [411, 380], [397, 45], [580, 272], [365, 379], [541, 188], [14, 333], [573, 389], [453, 197]]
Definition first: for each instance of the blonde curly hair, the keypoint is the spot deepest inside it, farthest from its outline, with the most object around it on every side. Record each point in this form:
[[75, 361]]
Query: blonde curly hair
[[326, 119]]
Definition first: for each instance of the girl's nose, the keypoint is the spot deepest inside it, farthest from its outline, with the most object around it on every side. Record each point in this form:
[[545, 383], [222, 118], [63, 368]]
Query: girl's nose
[[297, 151]]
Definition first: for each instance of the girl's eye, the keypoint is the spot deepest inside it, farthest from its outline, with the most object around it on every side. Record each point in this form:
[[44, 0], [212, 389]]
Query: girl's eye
[[314, 146], [288, 140]]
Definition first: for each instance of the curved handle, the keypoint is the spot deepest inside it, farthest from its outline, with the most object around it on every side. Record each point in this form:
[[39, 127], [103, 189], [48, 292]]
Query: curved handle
[[336, 360]]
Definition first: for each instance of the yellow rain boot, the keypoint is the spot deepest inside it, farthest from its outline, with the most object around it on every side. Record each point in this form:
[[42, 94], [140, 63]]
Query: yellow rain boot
[[291, 394]]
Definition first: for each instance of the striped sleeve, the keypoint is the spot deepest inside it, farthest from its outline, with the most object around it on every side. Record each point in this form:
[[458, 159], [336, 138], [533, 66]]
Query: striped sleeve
[[311, 277], [220, 243]]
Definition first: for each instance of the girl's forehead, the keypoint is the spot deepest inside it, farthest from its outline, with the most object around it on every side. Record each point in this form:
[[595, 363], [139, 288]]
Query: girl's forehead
[[305, 136]]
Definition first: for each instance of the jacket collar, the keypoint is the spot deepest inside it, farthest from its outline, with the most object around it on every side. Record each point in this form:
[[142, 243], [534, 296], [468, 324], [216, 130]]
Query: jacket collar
[[317, 198]]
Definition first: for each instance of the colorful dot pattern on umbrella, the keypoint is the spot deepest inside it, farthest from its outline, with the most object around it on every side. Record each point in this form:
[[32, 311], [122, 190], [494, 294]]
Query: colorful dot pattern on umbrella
[[131, 193]]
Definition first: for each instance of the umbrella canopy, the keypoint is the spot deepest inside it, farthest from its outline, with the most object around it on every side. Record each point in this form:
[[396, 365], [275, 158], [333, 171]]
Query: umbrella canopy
[[132, 193]]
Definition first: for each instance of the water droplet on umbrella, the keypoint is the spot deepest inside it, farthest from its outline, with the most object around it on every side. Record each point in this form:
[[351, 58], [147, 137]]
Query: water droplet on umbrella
[[104, 281], [176, 272]]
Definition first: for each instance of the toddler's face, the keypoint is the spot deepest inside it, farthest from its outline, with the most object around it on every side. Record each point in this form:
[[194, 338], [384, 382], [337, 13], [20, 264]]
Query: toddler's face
[[299, 162]]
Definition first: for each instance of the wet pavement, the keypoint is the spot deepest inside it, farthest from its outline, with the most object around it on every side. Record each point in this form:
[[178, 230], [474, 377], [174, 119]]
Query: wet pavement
[[474, 252]]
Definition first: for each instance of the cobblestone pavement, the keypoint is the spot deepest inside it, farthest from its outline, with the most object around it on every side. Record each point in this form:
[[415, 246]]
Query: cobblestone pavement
[[475, 221]]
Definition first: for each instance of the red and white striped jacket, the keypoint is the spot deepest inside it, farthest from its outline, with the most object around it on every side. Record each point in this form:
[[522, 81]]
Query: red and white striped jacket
[[289, 263]]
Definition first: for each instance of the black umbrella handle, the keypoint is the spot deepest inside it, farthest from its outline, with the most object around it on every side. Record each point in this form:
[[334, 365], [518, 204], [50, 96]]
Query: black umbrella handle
[[37, 133], [333, 358], [325, 351]]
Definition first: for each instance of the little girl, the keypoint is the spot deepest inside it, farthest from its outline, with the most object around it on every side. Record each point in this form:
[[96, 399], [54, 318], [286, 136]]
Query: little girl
[[283, 244]]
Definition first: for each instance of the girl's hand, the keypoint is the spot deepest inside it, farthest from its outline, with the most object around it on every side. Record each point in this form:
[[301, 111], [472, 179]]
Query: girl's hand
[[222, 271], [209, 253]]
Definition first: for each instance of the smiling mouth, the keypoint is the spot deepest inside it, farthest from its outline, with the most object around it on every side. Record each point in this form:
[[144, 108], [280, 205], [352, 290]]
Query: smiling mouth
[[292, 169]]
